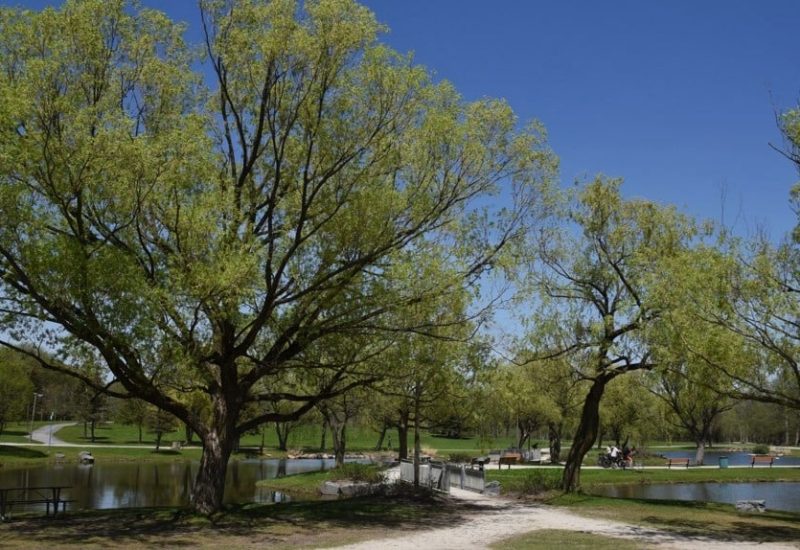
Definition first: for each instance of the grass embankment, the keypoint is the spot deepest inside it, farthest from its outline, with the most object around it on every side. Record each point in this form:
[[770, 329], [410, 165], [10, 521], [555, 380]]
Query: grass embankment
[[22, 456], [529, 481], [720, 522]]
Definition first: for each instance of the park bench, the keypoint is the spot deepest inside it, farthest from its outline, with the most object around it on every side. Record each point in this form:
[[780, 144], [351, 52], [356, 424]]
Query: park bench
[[49, 495], [762, 459], [677, 462], [509, 459]]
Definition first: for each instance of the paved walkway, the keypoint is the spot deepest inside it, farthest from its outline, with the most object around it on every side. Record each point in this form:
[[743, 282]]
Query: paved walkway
[[44, 434]]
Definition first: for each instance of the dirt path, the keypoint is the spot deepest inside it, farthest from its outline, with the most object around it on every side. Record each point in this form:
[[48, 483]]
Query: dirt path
[[502, 519]]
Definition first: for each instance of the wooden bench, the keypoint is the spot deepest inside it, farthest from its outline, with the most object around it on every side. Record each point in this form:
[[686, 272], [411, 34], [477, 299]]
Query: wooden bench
[[509, 459], [49, 495], [762, 459], [677, 462]]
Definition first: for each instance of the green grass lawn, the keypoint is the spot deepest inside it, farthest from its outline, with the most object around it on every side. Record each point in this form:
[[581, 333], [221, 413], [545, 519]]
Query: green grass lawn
[[720, 522], [17, 432], [306, 437], [544, 539], [529, 481], [21, 456]]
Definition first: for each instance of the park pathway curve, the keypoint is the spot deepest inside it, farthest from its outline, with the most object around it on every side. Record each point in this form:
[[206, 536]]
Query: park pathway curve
[[45, 434]]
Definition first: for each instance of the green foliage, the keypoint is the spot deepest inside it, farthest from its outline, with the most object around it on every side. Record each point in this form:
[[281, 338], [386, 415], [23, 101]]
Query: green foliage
[[460, 458], [16, 388], [213, 226], [761, 449], [353, 471]]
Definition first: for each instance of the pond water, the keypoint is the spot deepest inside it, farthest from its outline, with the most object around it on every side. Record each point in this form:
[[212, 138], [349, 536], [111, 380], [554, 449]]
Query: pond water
[[138, 484], [734, 459], [778, 495]]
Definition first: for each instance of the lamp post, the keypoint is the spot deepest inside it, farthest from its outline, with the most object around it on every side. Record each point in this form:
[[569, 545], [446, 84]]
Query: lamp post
[[33, 414]]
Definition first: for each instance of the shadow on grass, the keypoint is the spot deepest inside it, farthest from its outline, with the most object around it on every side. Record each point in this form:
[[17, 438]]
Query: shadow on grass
[[407, 511], [10, 451], [695, 518]]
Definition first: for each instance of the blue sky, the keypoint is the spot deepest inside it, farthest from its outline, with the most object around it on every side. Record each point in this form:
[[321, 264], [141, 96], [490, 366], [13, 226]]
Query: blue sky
[[677, 97]]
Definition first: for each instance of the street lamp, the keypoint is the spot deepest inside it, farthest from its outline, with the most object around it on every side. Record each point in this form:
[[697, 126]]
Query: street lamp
[[33, 414]]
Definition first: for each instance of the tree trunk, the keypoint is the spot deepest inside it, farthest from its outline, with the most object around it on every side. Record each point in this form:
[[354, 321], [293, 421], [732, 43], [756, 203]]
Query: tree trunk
[[209, 485], [282, 430], [402, 434], [188, 432], [554, 436], [322, 443], [379, 444], [417, 446], [524, 434], [92, 425], [585, 435], [159, 434], [700, 454], [139, 425], [339, 441]]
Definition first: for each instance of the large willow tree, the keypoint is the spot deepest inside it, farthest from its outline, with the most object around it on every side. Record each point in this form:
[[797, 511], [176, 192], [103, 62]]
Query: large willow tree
[[595, 284], [196, 225]]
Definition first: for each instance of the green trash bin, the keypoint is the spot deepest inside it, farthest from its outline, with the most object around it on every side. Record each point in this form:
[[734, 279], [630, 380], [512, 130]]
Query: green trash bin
[[723, 462]]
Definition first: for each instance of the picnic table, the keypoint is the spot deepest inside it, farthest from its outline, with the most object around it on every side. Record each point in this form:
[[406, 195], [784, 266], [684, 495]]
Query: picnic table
[[49, 495]]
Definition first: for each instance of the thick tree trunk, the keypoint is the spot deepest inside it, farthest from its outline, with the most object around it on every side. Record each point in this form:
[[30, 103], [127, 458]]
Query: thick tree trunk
[[209, 485], [139, 425], [93, 424], [339, 442], [554, 436], [282, 430], [402, 434], [188, 433], [585, 435], [700, 453]]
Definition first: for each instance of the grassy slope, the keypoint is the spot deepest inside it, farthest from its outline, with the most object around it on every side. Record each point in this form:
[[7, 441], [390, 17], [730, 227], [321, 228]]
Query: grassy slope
[[19, 456]]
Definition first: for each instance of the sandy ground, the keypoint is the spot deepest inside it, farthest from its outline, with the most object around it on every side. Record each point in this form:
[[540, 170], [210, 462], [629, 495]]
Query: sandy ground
[[503, 519]]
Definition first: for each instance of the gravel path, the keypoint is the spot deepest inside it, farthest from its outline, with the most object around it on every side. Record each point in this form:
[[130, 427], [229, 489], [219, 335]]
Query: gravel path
[[502, 519]]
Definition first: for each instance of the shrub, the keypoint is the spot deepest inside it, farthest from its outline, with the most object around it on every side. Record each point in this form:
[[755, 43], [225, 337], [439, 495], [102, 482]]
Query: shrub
[[540, 481], [760, 449], [460, 458], [353, 471]]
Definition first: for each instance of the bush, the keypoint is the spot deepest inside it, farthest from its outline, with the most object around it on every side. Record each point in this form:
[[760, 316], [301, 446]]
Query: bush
[[760, 449], [353, 471], [460, 458], [534, 482]]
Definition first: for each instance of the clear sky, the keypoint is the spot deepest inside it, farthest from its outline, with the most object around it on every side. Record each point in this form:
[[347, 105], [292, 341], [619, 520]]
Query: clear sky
[[677, 97]]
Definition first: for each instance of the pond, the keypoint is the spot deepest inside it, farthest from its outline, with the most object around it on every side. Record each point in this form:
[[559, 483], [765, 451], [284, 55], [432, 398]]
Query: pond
[[734, 458], [141, 484], [778, 495]]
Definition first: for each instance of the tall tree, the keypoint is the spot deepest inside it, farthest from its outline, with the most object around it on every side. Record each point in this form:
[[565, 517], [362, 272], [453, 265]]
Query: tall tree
[[596, 268], [196, 229], [16, 387]]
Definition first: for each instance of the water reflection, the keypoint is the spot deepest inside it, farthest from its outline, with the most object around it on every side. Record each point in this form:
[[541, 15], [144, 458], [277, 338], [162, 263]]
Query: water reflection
[[778, 495], [140, 484]]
